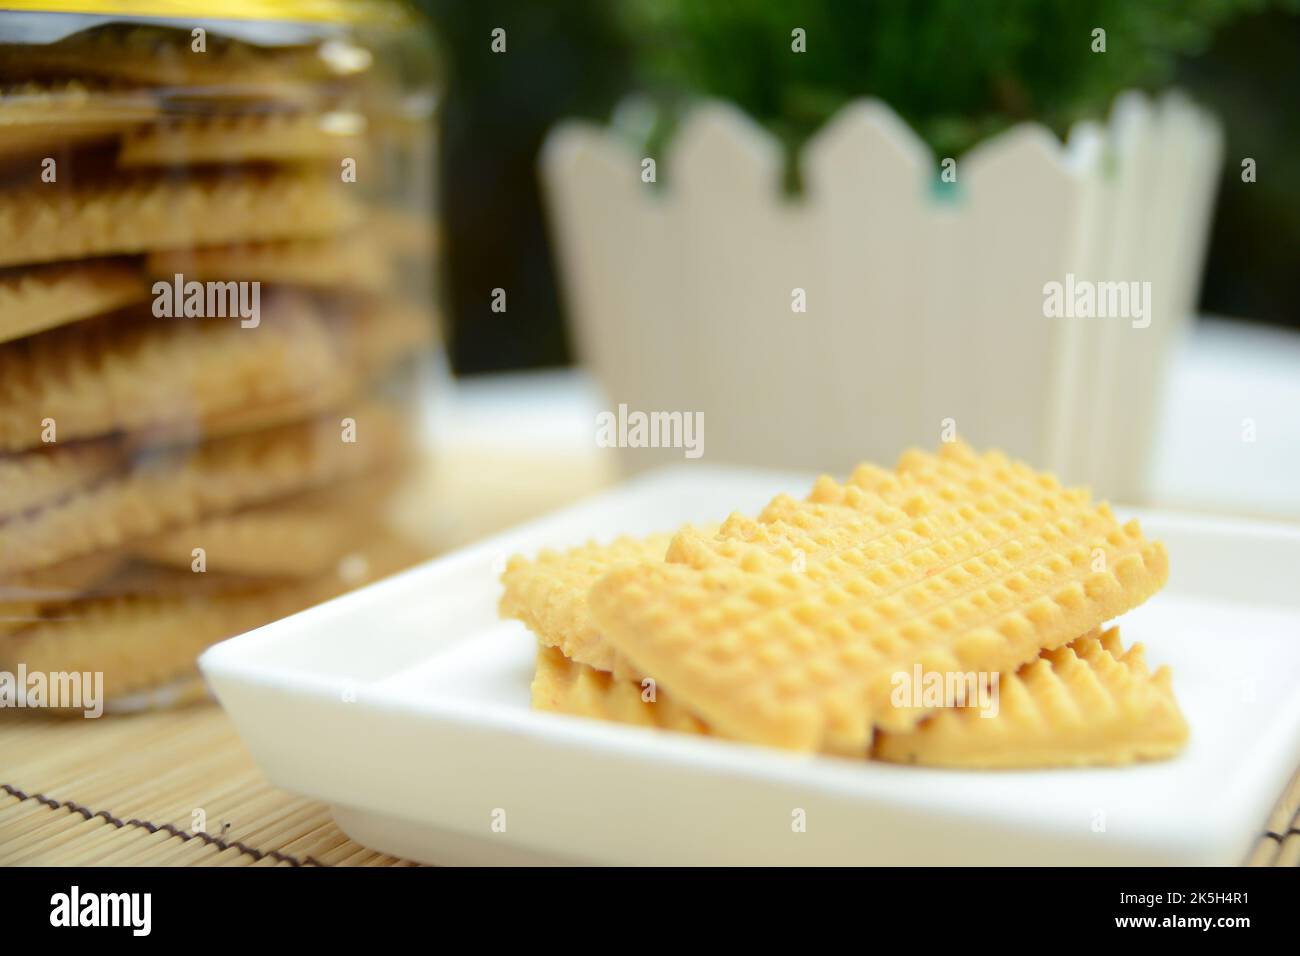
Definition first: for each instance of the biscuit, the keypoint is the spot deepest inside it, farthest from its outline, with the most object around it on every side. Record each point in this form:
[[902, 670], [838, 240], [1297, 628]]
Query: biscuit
[[180, 486], [563, 686], [242, 138], [155, 55], [246, 417], [141, 213], [26, 595], [64, 581], [371, 335], [787, 631], [141, 579], [303, 536], [555, 585], [313, 263], [47, 116], [1087, 703], [371, 339], [102, 377], [52, 472], [15, 615], [141, 642], [549, 593], [33, 300]]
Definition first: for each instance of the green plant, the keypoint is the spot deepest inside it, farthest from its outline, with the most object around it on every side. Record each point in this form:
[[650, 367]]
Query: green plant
[[956, 70]]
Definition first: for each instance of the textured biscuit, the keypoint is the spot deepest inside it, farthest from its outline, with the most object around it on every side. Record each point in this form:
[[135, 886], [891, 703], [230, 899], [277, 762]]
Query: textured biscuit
[[141, 642], [52, 472], [564, 686], [370, 336], [302, 536], [549, 593], [1089, 702], [26, 595], [180, 486], [240, 138], [153, 55], [141, 213], [142, 579], [37, 116], [15, 615], [97, 378], [327, 263], [33, 300], [146, 374], [786, 631], [64, 581]]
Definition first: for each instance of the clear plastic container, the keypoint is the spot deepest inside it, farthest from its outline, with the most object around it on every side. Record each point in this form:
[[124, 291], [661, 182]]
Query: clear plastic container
[[216, 261]]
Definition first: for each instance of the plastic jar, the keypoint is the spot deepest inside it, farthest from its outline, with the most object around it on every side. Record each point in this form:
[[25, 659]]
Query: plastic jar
[[215, 297]]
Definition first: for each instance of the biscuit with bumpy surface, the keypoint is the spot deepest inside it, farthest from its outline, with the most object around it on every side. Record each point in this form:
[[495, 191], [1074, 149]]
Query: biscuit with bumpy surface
[[141, 213], [33, 300], [161, 56], [314, 263], [40, 117], [148, 375], [787, 631], [52, 472], [141, 642], [564, 686], [549, 594], [180, 486], [297, 537], [236, 138], [64, 581], [1089, 703]]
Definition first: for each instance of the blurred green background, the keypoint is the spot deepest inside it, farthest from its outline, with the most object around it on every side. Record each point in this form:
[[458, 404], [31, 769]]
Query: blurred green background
[[957, 70]]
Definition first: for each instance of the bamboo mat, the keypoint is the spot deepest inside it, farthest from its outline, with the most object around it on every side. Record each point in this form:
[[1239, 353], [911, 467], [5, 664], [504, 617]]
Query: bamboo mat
[[124, 790]]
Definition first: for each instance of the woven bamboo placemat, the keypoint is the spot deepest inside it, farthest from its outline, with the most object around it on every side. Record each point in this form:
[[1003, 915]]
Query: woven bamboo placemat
[[124, 791]]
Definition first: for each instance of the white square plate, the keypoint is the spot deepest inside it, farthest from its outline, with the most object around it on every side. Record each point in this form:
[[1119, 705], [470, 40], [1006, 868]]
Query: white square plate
[[405, 705]]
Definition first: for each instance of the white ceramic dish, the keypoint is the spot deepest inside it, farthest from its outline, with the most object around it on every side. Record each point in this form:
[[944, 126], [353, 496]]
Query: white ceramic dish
[[405, 706]]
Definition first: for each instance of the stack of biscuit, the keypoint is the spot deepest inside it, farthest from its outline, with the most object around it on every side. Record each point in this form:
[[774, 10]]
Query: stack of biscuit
[[805, 627], [172, 473]]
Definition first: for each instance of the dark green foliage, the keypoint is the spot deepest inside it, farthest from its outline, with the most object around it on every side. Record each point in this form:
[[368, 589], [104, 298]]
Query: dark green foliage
[[956, 70]]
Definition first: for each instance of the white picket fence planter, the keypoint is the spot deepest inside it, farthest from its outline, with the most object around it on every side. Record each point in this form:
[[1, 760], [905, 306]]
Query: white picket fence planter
[[918, 309]]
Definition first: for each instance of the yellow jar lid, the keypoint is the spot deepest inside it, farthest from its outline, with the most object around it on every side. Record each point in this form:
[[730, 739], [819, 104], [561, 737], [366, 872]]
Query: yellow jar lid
[[301, 11]]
